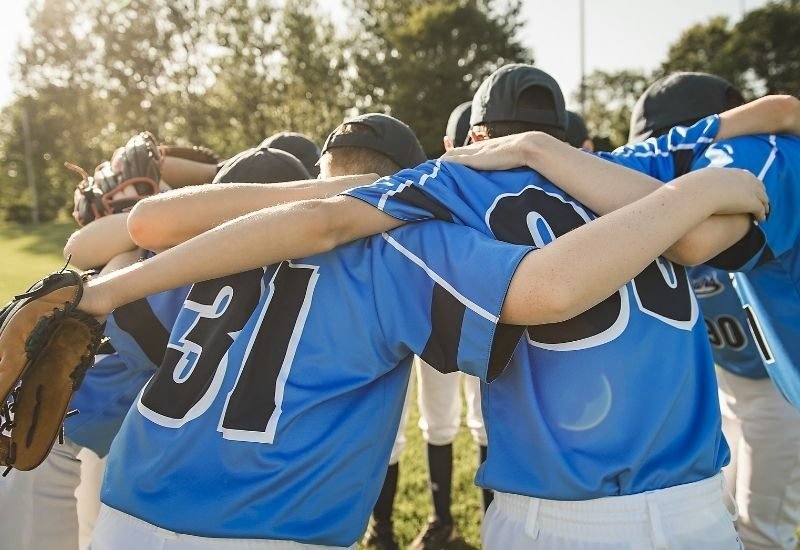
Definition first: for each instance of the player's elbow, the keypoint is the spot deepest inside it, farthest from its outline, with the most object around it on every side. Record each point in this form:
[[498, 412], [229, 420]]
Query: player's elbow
[[325, 227], [691, 250], [74, 252], [528, 306], [790, 112], [145, 228]]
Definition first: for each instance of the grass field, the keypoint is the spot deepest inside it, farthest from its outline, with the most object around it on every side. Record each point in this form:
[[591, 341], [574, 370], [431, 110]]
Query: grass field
[[29, 252]]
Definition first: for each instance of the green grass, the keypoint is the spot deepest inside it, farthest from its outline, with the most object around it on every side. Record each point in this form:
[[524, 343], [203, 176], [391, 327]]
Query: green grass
[[413, 502], [28, 253]]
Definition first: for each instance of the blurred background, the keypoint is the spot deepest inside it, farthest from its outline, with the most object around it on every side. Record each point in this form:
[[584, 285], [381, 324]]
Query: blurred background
[[77, 77]]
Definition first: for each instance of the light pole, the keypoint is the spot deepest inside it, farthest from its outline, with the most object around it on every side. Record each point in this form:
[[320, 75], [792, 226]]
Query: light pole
[[582, 41]]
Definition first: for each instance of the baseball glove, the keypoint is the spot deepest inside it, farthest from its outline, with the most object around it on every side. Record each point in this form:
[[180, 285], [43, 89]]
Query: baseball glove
[[194, 153], [133, 173], [46, 345]]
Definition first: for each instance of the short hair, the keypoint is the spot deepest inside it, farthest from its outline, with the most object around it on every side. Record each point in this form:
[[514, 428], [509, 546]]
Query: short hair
[[535, 97], [358, 160]]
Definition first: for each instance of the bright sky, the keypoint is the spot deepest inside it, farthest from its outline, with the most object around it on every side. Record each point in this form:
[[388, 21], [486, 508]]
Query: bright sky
[[619, 33]]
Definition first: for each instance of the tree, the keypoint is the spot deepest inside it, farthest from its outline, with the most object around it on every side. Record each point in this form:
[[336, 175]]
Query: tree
[[419, 59], [704, 48], [765, 47], [760, 54], [610, 97]]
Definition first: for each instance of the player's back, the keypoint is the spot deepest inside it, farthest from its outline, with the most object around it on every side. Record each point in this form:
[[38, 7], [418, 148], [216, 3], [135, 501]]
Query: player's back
[[274, 411], [731, 342], [619, 400]]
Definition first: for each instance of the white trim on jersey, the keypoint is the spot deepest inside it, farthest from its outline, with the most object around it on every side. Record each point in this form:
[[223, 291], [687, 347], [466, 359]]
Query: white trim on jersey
[[440, 280], [268, 435]]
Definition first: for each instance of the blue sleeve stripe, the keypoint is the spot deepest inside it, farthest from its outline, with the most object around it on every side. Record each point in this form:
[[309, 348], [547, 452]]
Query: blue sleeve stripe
[[478, 310]]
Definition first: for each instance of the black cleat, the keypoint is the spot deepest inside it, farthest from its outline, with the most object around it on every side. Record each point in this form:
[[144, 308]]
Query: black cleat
[[434, 536], [380, 536]]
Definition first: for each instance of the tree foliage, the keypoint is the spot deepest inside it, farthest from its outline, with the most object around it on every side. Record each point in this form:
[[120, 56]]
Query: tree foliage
[[419, 59], [759, 54]]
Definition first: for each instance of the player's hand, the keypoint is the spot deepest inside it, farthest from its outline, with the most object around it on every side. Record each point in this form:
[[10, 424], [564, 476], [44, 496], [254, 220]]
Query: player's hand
[[732, 191], [493, 154]]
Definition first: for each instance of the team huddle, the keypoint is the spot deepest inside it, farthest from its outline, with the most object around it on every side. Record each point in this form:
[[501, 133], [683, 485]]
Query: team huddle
[[263, 319]]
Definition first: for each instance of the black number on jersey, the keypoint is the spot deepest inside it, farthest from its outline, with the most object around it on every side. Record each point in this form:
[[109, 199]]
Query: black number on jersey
[[725, 331], [662, 290], [758, 335], [191, 375]]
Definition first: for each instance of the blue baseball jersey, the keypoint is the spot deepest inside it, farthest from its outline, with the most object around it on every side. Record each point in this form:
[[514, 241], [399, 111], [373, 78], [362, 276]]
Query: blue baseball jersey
[[274, 410], [138, 334], [726, 323], [618, 400], [767, 261]]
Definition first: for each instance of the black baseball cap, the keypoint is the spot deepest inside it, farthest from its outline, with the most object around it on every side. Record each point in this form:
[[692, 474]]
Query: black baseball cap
[[261, 165], [498, 95], [679, 99], [299, 145], [458, 123], [392, 138], [577, 132]]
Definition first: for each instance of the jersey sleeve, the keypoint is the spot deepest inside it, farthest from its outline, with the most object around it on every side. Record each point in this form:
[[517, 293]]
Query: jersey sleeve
[[668, 156], [439, 190], [773, 160], [443, 303], [139, 331]]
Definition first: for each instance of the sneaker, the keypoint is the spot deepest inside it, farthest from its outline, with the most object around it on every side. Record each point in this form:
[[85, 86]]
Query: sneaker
[[434, 536], [380, 536]]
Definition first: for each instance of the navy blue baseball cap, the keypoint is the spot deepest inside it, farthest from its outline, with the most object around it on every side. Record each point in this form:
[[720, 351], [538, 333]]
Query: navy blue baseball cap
[[299, 145], [261, 165], [458, 123], [392, 138], [679, 99], [577, 132], [498, 96]]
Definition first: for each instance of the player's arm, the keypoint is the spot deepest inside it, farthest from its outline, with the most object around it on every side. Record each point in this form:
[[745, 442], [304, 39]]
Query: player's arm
[[256, 239], [266, 236], [772, 114], [180, 172], [97, 243], [583, 267], [603, 186], [165, 220]]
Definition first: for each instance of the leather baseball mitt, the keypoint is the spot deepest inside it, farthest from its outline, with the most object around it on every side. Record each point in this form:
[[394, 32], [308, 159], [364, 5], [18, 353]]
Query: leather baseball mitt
[[194, 153], [133, 173], [46, 345]]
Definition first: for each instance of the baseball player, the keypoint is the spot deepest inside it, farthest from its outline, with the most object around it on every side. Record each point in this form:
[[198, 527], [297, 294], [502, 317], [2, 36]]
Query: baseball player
[[686, 148], [760, 260], [139, 329], [762, 429], [284, 475]]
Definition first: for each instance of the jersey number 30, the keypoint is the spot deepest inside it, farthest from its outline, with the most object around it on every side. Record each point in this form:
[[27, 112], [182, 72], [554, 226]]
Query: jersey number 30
[[536, 217]]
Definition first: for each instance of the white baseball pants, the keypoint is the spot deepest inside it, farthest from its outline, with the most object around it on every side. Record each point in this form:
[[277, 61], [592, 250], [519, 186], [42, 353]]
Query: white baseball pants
[[763, 431], [118, 531], [686, 517]]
